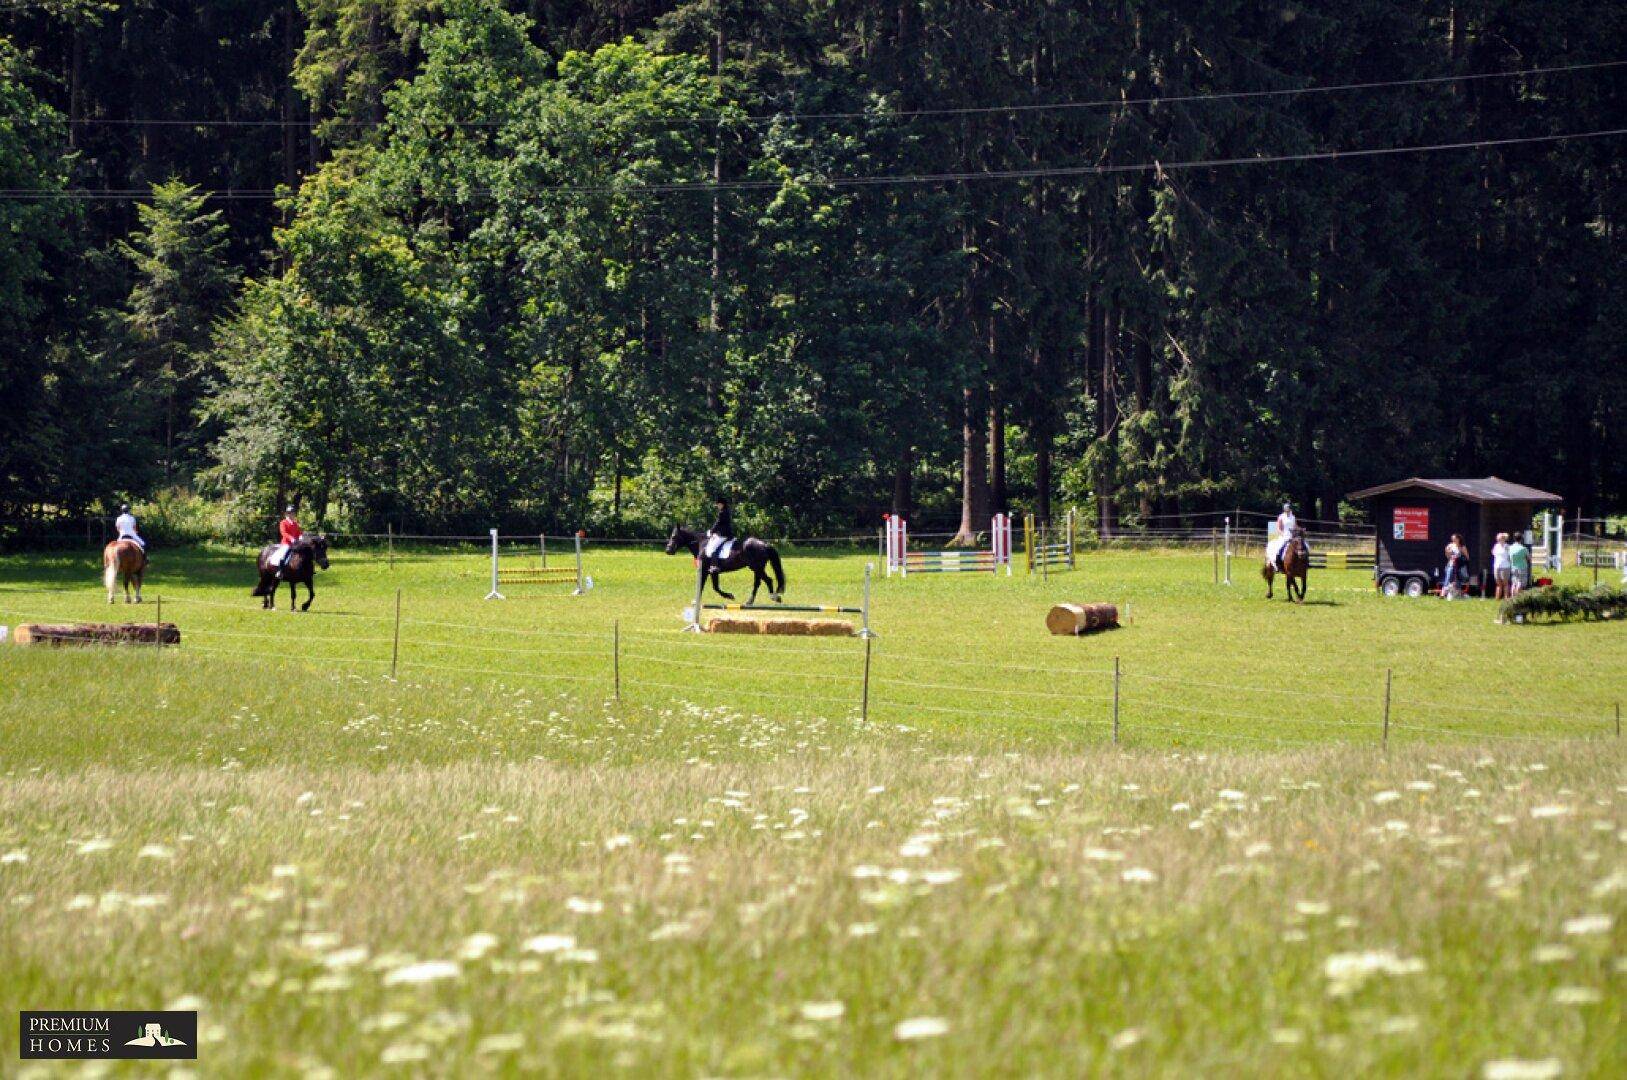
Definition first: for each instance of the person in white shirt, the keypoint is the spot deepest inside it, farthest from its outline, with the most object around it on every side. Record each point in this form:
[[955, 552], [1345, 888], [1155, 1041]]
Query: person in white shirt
[[125, 525], [1502, 567], [1286, 526]]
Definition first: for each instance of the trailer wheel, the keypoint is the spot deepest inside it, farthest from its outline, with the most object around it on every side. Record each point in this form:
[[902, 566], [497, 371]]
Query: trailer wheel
[[1390, 585], [1415, 587]]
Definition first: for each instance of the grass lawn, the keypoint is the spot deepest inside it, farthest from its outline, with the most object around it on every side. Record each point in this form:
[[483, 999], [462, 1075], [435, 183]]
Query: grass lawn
[[491, 864]]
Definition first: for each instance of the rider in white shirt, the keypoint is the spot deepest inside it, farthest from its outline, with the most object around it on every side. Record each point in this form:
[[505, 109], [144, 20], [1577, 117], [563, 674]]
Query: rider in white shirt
[[125, 525], [1286, 526], [1286, 522]]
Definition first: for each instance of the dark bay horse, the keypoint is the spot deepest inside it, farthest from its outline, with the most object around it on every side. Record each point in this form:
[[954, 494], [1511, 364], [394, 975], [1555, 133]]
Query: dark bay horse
[[747, 553], [300, 569], [1296, 568], [123, 559]]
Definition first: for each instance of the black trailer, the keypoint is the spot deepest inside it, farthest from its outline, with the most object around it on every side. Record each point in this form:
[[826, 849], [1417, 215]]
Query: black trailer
[[1414, 519]]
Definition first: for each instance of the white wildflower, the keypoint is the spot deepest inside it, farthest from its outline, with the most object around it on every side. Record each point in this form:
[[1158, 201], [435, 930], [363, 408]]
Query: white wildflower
[[550, 943], [822, 1010], [1516, 1069], [1589, 924], [920, 1027], [477, 945], [427, 971]]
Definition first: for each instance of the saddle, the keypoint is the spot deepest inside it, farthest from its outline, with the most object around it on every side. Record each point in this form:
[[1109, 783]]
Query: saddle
[[723, 550]]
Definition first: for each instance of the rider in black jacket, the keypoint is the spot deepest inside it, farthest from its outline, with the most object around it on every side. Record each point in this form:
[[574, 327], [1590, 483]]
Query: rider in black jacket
[[722, 528]]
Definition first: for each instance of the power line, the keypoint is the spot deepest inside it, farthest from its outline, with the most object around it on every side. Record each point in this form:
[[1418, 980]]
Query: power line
[[905, 179], [922, 113]]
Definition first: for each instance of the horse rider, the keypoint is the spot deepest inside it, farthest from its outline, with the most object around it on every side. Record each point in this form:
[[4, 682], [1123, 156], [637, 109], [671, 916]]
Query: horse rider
[[1287, 529], [721, 534], [125, 525], [288, 534]]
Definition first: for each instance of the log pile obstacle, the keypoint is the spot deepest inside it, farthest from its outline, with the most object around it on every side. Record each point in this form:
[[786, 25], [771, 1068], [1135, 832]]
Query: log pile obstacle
[[97, 634], [741, 622], [901, 560], [1076, 619], [538, 575], [1048, 547]]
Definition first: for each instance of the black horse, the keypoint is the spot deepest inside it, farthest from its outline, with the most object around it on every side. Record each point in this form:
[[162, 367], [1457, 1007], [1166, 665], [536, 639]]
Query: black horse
[[750, 552], [299, 569]]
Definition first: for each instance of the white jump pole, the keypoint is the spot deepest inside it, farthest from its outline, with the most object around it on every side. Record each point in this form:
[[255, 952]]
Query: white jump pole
[[581, 582], [1228, 550], [864, 625], [694, 626], [494, 594]]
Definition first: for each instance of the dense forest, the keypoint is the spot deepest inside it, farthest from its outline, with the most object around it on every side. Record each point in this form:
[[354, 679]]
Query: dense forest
[[450, 263]]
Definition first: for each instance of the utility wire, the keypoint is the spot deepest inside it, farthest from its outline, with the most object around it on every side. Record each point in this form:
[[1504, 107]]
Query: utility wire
[[905, 179], [922, 113]]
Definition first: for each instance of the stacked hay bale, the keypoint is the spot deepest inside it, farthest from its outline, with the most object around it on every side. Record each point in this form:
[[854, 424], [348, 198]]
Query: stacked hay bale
[[745, 624]]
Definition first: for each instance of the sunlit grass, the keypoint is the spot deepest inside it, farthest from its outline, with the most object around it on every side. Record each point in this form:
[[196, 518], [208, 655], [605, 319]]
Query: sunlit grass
[[729, 871]]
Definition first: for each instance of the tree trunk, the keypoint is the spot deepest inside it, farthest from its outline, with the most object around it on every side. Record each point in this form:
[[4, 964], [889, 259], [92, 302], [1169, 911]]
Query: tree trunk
[[902, 476], [974, 487], [997, 452], [715, 319], [290, 96], [1103, 331], [76, 64], [1146, 448]]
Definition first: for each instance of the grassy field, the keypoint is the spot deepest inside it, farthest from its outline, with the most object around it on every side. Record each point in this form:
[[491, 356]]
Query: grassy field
[[491, 864]]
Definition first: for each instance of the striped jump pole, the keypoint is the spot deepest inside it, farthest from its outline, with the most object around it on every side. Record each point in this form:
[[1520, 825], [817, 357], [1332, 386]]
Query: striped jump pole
[[895, 544], [899, 559]]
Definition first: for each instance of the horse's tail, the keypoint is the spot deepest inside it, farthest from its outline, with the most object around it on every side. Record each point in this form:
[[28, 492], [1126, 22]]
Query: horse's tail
[[779, 570], [110, 570]]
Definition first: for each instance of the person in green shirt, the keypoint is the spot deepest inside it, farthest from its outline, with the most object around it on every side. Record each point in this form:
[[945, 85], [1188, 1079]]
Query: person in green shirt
[[1519, 559]]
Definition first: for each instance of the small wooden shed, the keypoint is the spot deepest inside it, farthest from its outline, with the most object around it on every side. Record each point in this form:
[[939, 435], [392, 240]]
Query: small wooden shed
[[1415, 518]]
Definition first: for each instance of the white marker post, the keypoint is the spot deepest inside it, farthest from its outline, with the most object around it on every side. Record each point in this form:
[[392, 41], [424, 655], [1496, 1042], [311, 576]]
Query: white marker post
[[494, 594]]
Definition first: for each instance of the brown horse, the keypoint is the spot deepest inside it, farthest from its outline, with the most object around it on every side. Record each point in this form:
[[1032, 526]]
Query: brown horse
[[1296, 567], [123, 559]]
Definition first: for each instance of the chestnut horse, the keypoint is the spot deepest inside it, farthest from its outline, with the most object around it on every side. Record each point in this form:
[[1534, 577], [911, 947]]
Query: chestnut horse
[[1296, 566], [123, 559]]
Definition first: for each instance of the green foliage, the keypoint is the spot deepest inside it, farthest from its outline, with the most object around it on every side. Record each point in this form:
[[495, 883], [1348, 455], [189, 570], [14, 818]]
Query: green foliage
[[181, 285], [1566, 603], [499, 285]]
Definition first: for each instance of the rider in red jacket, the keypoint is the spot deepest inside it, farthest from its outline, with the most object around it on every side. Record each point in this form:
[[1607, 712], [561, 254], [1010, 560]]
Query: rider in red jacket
[[288, 532]]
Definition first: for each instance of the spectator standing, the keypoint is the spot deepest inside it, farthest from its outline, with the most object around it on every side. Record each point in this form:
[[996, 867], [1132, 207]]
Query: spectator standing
[[1501, 567], [1519, 566]]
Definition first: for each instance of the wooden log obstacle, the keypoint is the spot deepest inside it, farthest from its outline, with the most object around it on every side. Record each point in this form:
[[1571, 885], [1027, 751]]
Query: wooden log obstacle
[[741, 618], [901, 560], [1050, 548], [97, 634], [1076, 619], [542, 574]]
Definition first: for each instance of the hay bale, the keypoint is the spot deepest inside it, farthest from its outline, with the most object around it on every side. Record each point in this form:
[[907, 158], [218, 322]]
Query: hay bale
[[745, 624], [98, 634], [1081, 618], [730, 624]]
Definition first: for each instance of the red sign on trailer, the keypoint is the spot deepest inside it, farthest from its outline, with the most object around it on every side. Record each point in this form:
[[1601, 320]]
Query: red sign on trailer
[[1411, 523]]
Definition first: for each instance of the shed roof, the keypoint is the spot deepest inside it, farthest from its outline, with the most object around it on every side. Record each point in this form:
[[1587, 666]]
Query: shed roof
[[1487, 490]]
